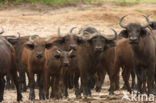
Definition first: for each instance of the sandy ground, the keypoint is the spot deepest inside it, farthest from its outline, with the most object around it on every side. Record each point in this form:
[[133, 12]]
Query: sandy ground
[[44, 21]]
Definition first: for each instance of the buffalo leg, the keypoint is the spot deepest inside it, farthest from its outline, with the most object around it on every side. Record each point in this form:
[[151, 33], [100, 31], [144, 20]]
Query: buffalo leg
[[28, 79], [126, 76], [41, 87], [139, 79], [2, 85], [37, 82], [100, 80], [47, 85], [22, 81], [85, 85], [112, 85], [66, 82], [133, 79], [76, 83], [32, 87], [144, 82], [150, 78], [117, 80], [8, 82], [65, 90], [123, 73], [52, 95], [15, 80]]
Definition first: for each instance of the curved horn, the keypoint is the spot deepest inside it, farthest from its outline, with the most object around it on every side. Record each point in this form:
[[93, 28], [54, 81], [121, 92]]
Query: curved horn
[[19, 35], [149, 15], [80, 31], [120, 22], [30, 39], [58, 51], [34, 36], [59, 33], [70, 51], [71, 30], [13, 37], [47, 39], [114, 37], [92, 35], [147, 20], [2, 31]]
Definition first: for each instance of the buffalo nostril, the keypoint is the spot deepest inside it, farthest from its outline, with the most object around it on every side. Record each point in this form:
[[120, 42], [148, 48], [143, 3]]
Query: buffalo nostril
[[99, 48], [133, 38], [65, 64], [39, 54], [73, 47]]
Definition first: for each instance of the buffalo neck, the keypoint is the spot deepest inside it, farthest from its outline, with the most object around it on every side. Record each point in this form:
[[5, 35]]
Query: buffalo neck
[[93, 54], [143, 49]]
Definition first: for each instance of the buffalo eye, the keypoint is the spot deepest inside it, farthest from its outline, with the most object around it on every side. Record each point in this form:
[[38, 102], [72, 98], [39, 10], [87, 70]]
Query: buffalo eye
[[13, 42], [124, 33], [48, 46], [80, 41], [109, 43], [57, 56], [30, 46], [72, 56]]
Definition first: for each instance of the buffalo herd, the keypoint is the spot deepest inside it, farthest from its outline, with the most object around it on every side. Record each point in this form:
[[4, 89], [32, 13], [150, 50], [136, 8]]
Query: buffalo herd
[[88, 55]]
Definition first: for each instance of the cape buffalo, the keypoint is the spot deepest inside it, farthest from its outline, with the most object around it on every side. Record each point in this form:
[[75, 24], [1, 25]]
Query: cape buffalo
[[8, 66], [57, 65], [33, 56], [88, 57], [143, 45]]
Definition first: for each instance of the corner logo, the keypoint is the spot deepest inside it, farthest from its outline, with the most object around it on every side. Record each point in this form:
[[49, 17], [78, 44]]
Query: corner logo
[[140, 98], [125, 96]]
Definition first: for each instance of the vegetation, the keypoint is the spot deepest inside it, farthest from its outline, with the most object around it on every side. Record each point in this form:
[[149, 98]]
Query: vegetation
[[63, 2]]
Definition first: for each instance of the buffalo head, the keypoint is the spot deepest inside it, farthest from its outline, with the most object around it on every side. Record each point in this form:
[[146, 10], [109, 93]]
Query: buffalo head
[[38, 46], [133, 31], [100, 42], [13, 39], [65, 57], [71, 40]]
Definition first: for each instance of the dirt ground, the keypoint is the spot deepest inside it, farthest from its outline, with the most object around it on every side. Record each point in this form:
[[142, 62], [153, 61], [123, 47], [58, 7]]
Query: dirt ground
[[44, 21]]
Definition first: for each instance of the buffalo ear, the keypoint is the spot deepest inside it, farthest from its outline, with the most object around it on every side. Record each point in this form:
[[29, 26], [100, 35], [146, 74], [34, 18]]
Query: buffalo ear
[[123, 33], [48, 45], [151, 25], [143, 32], [61, 40], [29, 46], [110, 43], [12, 41]]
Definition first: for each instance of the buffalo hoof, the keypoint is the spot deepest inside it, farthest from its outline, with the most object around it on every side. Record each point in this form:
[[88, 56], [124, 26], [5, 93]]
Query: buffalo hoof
[[117, 88], [1, 98], [78, 97], [19, 97], [24, 89], [134, 87], [98, 89], [41, 94], [42, 97], [8, 86], [77, 93], [32, 95], [130, 91], [124, 87], [111, 93], [150, 92]]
